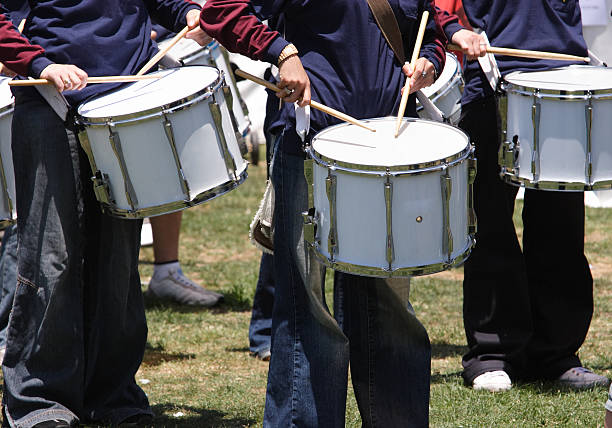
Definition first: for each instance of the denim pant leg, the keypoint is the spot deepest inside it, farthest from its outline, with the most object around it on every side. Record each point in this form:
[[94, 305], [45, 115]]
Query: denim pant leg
[[8, 278], [307, 380], [390, 352], [56, 324], [260, 328]]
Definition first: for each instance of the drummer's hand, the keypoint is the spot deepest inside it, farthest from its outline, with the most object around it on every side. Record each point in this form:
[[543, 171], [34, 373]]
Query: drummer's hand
[[472, 44], [196, 33], [65, 76], [294, 78], [422, 76]]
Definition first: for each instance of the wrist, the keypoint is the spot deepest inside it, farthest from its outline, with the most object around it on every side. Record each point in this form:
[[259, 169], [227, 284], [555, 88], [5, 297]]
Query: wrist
[[287, 52]]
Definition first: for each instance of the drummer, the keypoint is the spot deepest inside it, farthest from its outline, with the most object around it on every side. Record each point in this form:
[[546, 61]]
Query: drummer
[[526, 311], [339, 53], [77, 330]]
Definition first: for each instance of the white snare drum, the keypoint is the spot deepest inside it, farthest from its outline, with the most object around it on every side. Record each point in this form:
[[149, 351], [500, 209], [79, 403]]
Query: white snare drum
[[446, 91], [188, 52], [559, 124], [158, 146], [8, 213], [389, 207]]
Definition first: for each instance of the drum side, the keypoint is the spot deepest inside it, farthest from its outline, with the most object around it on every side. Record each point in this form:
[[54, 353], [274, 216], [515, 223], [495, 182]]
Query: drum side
[[7, 163], [602, 141]]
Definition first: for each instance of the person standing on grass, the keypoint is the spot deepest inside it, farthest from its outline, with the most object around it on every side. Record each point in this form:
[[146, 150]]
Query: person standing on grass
[[526, 311], [77, 330], [338, 52]]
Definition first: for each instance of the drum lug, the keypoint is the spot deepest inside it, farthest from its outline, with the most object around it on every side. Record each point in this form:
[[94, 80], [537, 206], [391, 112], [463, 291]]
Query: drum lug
[[447, 234], [308, 176], [389, 220], [102, 189], [115, 142], [310, 226], [332, 240], [215, 111], [181, 174], [472, 170], [535, 119], [589, 139]]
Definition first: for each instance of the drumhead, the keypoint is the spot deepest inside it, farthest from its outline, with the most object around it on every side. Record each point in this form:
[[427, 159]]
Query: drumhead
[[575, 78], [420, 142], [6, 96], [451, 69], [175, 84]]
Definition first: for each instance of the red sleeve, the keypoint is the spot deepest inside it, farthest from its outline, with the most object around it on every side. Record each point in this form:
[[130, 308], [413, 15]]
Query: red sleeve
[[234, 25], [16, 52]]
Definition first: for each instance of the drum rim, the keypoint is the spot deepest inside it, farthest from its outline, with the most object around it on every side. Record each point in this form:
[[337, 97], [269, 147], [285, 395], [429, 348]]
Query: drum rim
[[135, 117], [8, 108], [414, 169], [446, 87], [577, 95], [559, 186]]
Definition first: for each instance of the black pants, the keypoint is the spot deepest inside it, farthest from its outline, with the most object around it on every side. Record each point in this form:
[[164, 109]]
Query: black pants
[[525, 311]]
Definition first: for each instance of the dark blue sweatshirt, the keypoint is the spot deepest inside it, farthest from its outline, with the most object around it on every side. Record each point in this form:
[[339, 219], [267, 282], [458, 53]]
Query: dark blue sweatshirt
[[543, 25], [350, 65], [102, 37]]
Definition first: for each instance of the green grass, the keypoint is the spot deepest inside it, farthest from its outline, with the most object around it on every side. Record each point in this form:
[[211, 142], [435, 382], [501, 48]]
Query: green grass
[[197, 371]]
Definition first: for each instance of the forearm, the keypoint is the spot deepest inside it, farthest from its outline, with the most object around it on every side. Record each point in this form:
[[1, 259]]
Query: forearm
[[16, 52]]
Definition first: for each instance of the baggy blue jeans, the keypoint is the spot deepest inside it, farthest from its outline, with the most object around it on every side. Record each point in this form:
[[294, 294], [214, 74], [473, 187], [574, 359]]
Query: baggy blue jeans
[[388, 348], [77, 331], [260, 327]]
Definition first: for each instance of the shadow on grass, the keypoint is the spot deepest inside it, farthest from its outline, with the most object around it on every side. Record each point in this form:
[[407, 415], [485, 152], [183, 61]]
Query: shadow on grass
[[445, 377], [230, 303], [445, 350], [201, 418], [156, 355], [552, 388]]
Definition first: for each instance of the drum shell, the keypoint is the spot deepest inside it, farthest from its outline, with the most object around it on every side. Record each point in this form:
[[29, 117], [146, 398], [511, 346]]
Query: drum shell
[[448, 96], [561, 159], [8, 213], [148, 156]]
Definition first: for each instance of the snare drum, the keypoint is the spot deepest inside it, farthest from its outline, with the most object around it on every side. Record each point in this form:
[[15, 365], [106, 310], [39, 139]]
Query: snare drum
[[158, 146], [8, 213], [559, 124], [446, 91], [188, 52], [388, 207]]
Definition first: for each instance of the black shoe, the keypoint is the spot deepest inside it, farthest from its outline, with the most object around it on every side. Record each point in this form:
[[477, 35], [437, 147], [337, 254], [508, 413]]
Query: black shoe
[[56, 423]]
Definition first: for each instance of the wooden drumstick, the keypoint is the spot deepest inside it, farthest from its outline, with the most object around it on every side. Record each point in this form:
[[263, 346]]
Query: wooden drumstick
[[101, 79], [330, 111], [162, 52], [415, 56], [521, 53]]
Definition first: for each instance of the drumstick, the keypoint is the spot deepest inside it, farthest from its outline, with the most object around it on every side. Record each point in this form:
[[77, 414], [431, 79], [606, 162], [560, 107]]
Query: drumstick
[[162, 52], [101, 79], [330, 111], [526, 54], [415, 56]]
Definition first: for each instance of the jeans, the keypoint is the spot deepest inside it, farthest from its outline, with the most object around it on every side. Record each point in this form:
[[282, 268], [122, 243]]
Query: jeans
[[8, 278], [260, 328], [388, 348], [77, 331]]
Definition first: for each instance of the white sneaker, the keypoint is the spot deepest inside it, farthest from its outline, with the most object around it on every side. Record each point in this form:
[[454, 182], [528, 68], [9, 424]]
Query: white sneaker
[[494, 381], [179, 288]]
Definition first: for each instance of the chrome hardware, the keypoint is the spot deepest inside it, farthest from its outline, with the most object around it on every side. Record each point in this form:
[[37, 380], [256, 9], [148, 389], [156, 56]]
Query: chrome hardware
[[179, 167], [215, 111], [310, 226], [102, 189], [446, 183], [419, 219], [472, 220], [535, 119], [589, 140], [332, 239], [115, 143], [308, 175], [389, 212]]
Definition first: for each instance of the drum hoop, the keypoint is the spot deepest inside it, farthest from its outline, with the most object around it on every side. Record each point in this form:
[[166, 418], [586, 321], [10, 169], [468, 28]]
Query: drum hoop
[[444, 90], [579, 95], [555, 185], [397, 170], [7, 110], [135, 117], [400, 272]]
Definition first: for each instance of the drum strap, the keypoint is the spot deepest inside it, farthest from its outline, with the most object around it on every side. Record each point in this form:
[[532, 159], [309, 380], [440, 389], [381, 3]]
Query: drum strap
[[385, 18]]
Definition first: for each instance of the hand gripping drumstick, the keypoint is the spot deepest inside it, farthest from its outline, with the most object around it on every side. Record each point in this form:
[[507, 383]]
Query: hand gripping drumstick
[[162, 52], [415, 56], [521, 53], [313, 104], [101, 79]]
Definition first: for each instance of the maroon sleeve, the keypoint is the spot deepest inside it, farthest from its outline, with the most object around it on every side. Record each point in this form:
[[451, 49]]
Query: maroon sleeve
[[234, 24], [16, 52]]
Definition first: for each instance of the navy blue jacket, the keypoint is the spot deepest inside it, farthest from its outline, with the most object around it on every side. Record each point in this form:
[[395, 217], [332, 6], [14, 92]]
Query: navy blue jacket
[[349, 63], [544, 25]]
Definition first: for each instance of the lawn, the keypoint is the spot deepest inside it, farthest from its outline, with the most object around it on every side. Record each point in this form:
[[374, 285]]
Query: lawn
[[197, 371]]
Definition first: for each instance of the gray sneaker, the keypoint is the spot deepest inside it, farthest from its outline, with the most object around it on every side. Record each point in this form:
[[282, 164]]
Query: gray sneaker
[[581, 378], [178, 288]]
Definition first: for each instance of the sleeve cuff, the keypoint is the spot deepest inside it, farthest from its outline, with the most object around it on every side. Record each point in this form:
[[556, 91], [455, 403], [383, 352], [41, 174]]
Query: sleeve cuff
[[38, 65], [274, 50], [451, 29]]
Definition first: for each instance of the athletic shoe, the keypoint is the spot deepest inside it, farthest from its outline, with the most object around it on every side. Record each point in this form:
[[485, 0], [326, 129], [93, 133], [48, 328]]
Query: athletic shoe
[[494, 381], [581, 378], [177, 287], [263, 355]]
